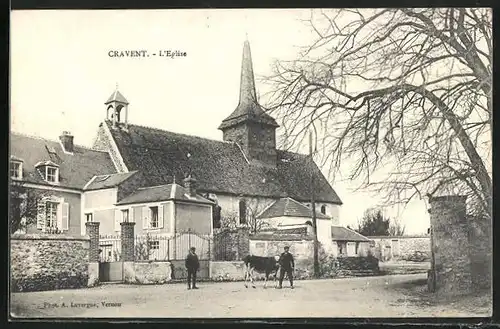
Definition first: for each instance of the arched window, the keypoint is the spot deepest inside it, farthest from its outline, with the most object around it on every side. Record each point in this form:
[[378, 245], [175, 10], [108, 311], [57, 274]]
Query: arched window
[[243, 211], [323, 209], [216, 216]]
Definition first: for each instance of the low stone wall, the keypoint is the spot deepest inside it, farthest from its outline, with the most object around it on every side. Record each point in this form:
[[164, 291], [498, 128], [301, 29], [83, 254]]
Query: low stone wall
[[46, 262], [411, 248], [227, 271], [147, 272]]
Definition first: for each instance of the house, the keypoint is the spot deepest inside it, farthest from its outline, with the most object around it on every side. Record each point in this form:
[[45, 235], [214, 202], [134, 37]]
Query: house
[[58, 171], [242, 174], [286, 213], [349, 242]]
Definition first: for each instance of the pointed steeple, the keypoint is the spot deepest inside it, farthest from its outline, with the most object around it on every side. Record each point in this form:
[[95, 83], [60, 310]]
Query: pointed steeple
[[249, 126], [248, 108], [248, 94]]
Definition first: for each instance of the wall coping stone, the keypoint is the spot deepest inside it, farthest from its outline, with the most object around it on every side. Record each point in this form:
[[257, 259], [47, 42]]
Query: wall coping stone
[[394, 237], [59, 237]]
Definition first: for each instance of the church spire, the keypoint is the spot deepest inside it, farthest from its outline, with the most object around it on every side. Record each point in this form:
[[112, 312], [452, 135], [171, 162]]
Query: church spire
[[248, 94], [248, 108], [249, 126]]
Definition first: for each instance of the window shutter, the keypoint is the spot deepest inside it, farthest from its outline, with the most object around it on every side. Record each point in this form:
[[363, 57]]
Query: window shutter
[[118, 219], [40, 216], [131, 215], [65, 216], [59, 215], [160, 216], [145, 219]]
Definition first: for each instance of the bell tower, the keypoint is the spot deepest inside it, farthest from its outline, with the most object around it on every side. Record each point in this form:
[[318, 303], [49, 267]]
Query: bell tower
[[249, 126], [117, 109]]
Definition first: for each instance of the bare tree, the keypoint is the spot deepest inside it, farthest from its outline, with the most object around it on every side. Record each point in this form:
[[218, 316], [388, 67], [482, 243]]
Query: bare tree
[[396, 228], [22, 205], [254, 223], [400, 93]]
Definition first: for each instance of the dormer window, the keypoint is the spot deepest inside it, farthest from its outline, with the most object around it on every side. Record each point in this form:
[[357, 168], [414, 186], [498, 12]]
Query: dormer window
[[16, 169], [51, 174], [49, 171]]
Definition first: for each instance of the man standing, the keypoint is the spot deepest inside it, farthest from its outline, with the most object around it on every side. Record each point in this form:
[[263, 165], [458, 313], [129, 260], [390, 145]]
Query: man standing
[[192, 266], [287, 266]]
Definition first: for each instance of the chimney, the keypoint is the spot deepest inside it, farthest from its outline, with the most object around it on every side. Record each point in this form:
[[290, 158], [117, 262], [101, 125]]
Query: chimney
[[190, 185], [67, 141]]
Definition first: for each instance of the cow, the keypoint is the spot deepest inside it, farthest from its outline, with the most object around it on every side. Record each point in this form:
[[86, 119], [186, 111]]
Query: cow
[[266, 265]]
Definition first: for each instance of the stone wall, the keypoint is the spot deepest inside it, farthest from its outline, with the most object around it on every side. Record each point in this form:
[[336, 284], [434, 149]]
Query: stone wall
[[227, 271], [481, 252], [147, 272], [401, 247], [45, 262], [302, 251]]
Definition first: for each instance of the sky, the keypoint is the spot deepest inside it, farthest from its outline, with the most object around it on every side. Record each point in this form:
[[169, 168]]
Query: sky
[[61, 75]]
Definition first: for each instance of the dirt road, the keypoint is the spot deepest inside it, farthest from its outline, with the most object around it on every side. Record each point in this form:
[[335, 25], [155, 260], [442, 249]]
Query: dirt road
[[385, 296]]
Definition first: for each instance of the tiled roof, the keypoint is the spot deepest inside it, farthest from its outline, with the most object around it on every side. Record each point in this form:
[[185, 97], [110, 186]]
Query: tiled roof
[[289, 207], [340, 233], [218, 166], [107, 181], [116, 96], [162, 193], [75, 170]]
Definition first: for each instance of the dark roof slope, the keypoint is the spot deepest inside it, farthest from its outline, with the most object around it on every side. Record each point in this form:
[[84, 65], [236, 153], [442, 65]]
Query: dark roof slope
[[289, 207], [75, 170], [340, 233], [218, 166], [107, 181], [162, 193]]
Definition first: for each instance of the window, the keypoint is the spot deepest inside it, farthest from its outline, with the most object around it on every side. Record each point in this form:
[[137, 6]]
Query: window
[[323, 209], [154, 217], [16, 170], [51, 174], [51, 215], [216, 210], [243, 211], [125, 218], [154, 245], [342, 246], [89, 217], [357, 248]]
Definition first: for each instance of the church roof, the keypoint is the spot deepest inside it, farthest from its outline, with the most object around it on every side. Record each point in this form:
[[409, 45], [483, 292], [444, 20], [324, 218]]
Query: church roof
[[75, 170], [116, 96], [248, 108], [219, 167], [290, 208], [162, 193]]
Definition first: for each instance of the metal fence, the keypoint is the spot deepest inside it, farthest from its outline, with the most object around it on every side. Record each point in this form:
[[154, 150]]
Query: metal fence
[[171, 247], [226, 246], [109, 248]]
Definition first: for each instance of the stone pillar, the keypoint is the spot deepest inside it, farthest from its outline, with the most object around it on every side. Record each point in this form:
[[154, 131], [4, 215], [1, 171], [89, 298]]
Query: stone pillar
[[450, 263], [92, 230], [243, 242], [128, 255]]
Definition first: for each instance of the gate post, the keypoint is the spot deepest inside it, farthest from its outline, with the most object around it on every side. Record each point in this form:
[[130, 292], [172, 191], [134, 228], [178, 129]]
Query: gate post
[[92, 230], [451, 266], [128, 255]]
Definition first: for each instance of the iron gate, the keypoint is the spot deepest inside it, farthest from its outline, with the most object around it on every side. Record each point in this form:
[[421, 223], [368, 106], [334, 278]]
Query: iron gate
[[110, 262], [175, 248]]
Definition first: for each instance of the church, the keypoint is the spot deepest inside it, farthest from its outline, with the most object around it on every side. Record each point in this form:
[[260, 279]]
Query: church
[[239, 177]]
